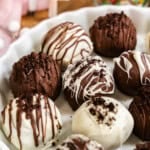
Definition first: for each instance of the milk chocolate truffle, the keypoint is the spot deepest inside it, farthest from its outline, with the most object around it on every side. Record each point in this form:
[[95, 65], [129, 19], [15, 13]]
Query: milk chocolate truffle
[[36, 73], [79, 142], [87, 78], [140, 110], [112, 34], [131, 71], [30, 123], [67, 43], [143, 146], [104, 120]]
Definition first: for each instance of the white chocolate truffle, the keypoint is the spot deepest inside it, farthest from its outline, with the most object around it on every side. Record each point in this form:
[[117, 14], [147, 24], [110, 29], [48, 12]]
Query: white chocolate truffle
[[105, 120], [85, 79], [67, 43], [29, 123], [79, 142]]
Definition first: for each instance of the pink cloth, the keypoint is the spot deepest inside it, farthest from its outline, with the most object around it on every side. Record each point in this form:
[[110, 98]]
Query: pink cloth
[[10, 17]]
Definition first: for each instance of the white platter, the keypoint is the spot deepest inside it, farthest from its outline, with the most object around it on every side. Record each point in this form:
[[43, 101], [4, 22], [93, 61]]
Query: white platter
[[31, 41]]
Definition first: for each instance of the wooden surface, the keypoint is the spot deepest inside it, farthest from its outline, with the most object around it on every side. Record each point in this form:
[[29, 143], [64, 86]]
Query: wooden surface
[[32, 19]]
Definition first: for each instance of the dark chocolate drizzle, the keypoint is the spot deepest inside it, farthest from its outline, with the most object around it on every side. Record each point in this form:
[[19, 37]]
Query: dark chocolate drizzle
[[67, 26], [27, 105]]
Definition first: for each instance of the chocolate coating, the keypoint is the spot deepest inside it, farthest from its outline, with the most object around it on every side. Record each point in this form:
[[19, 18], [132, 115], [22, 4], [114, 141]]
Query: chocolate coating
[[36, 73], [143, 146], [85, 79], [112, 34], [140, 110], [131, 71], [79, 142]]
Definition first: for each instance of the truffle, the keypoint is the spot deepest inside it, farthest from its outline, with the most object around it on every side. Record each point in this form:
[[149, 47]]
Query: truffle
[[36, 73], [140, 110], [79, 142], [87, 78], [105, 120], [31, 122], [67, 43], [143, 146], [131, 71], [112, 34]]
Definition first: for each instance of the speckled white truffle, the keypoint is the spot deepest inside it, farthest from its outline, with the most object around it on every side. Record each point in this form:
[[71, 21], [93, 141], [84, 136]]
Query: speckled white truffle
[[105, 120], [67, 43], [29, 123]]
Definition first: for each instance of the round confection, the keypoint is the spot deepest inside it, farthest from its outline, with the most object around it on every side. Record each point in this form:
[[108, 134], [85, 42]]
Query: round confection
[[105, 120], [112, 34], [67, 43], [79, 142], [143, 146], [87, 78], [140, 110], [31, 122], [36, 73], [131, 71]]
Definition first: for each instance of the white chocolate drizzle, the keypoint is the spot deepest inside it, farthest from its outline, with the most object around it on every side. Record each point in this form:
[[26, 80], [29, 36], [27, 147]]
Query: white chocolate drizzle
[[141, 59], [98, 78]]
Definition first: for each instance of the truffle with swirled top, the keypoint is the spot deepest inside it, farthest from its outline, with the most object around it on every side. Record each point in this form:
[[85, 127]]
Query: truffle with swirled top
[[132, 71], [140, 110], [79, 142], [87, 78], [31, 122], [36, 73], [112, 34], [67, 43], [104, 120]]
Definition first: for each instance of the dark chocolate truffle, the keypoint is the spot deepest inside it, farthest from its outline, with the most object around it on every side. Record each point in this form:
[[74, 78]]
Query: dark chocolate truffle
[[131, 71], [85, 79], [36, 73], [79, 142], [143, 146], [140, 110], [112, 34]]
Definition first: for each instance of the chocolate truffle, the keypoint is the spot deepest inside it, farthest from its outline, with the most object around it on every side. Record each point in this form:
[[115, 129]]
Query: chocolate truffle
[[131, 71], [140, 110], [79, 142], [67, 43], [31, 122], [143, 146], [112, 34], [87, 78], [105, 120], [36, 73]]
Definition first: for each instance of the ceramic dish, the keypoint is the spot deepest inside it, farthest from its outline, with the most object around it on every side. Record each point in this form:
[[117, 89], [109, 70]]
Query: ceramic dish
[[31, 40]]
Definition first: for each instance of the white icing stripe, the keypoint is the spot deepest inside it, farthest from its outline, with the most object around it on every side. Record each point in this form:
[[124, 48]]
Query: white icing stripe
[[141, 59], [105, 86]]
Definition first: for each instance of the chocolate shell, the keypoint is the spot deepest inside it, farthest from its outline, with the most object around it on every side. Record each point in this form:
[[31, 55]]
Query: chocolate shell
[[112, 34], [132, 71], [140, 110], [36, 73]]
